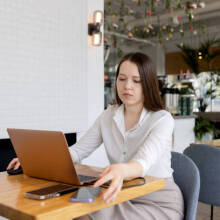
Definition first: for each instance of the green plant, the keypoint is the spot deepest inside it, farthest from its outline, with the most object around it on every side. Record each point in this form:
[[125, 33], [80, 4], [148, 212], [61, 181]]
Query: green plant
[[203, 126], [193, 56], [208, 54], [190, 56]]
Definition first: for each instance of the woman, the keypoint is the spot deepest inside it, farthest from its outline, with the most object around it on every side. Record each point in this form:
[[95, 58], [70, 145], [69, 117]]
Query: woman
[[137, 134]]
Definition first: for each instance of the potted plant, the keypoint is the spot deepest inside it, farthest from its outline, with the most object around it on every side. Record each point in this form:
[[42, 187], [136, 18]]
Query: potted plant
[[204, 130], [206, 91]]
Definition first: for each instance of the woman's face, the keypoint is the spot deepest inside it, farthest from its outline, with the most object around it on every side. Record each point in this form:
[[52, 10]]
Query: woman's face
[[129, 85]]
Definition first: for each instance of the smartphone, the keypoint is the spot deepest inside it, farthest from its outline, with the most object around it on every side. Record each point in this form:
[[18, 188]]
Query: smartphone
[[85, 194], [50, 192]]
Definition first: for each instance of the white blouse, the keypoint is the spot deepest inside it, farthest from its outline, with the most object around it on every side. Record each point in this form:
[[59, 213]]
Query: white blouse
[[149, 142]]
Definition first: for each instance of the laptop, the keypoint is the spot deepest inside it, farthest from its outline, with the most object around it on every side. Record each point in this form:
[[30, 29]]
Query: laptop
[[45, 154]]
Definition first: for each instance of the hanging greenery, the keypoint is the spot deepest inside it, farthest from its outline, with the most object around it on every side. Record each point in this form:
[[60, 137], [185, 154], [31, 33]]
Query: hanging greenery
[[179, 6], [168, 4], [152, 8]]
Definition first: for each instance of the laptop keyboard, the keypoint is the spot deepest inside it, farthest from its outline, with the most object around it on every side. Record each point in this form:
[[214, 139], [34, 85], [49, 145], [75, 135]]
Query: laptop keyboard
[[91, 179], [84, 178]]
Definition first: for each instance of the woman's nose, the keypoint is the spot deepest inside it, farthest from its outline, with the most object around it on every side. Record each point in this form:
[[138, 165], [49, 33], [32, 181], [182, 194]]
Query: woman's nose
[[128, 84]]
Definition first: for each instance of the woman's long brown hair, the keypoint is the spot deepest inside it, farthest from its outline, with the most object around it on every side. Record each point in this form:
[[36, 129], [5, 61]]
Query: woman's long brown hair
[[149, 81]]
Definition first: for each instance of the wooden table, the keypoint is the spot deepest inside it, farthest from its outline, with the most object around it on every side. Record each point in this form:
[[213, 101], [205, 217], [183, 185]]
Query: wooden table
[[215, 142], [15, 206]]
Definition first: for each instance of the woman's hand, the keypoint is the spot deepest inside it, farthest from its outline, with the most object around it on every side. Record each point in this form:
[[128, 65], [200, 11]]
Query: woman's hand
[[14, 164], [115, 173]]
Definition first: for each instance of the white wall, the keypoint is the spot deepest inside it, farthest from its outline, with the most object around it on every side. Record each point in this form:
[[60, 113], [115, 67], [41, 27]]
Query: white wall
[[94, 66], [43, 65], [95, 87], [183, 133], [50, 76], [95, 69]]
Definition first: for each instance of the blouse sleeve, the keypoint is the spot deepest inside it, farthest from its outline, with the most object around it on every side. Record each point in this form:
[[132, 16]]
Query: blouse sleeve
[[157, 142], [88, 143]]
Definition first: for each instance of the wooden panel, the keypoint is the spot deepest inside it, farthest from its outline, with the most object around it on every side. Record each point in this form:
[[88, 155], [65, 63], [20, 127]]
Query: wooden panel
[[216, 62], [175, 63], [211, 116], [215, 142]]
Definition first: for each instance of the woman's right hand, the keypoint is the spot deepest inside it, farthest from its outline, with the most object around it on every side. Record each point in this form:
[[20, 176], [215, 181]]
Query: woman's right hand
[[14, 164]]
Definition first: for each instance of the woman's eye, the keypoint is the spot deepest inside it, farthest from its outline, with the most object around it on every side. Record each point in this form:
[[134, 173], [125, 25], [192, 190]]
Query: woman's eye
[[121, 79], [137, 81]]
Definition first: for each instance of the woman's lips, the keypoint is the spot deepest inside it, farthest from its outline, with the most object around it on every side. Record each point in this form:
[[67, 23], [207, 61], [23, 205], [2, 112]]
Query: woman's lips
[[127, 95]]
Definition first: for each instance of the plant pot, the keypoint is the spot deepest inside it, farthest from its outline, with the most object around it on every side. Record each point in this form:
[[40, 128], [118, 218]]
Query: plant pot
[[206, 137]]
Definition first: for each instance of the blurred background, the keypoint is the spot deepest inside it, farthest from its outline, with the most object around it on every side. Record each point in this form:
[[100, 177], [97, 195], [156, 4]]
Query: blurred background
[[183, 39]]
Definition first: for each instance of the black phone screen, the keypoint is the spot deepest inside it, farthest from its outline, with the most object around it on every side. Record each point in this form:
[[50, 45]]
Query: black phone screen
[[52, 189]]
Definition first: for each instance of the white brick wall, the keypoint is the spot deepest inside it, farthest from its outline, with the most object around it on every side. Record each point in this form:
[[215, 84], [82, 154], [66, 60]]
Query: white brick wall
[[43, 65]]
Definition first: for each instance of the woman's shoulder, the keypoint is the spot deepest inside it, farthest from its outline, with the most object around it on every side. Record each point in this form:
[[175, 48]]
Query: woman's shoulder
[[162, 116], [159, 119], [163, 113], [112, 108], [109, 111]]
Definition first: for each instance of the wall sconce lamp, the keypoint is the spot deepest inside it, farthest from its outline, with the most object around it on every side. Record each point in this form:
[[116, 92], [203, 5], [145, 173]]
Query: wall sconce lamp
[[94, 28]]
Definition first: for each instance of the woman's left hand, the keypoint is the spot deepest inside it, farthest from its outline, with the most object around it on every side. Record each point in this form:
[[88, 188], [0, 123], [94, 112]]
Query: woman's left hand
[[116, 174]]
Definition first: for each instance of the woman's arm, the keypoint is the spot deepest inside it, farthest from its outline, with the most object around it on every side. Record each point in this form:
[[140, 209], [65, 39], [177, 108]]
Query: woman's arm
[[158, 142], [88, 143]]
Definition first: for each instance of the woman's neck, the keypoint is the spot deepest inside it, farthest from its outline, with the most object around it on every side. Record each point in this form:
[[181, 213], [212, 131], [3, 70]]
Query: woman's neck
[[132, 115], [134, 110]]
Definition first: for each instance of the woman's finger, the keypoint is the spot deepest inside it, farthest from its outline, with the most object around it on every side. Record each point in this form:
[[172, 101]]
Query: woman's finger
[[107, 194], [114, 195], [113, 186], [106, 170], [103, 180], [111, 196], [12, 163], [17, 165]]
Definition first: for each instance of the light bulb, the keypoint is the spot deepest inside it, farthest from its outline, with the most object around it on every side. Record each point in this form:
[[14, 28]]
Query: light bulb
[[98, 17], [97, 39]]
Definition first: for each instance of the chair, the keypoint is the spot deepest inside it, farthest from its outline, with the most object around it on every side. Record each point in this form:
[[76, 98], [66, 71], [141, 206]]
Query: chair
[[7, 153], [207, 159], [186, 176]]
